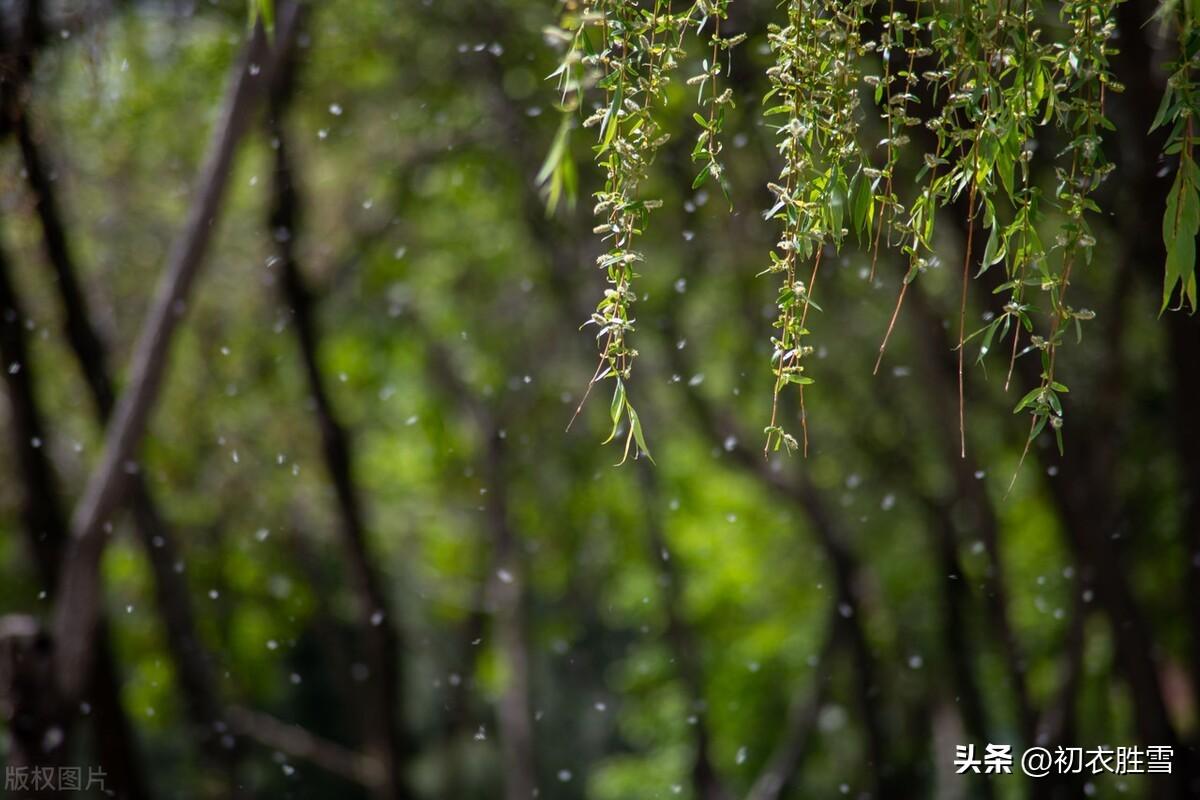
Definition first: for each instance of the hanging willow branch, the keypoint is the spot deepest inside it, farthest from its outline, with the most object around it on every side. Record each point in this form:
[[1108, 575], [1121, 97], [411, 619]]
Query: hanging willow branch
[[634, 49], [708, 144], [814, 88], [1084, 79], [977, 82]]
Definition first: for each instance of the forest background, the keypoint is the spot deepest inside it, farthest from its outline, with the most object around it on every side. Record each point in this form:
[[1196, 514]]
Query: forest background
[[357, 554]]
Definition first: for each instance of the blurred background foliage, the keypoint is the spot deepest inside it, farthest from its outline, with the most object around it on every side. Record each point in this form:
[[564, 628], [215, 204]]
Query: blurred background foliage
[[882, 589]]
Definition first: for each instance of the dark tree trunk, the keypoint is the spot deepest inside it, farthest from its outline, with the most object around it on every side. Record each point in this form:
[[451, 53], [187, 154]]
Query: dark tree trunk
[[76, 603], [28, 706], [45, 524], [377, 625], [192, 663], [682, 639]]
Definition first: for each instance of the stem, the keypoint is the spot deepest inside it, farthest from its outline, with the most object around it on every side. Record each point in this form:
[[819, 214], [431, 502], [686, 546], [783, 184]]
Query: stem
[[962, 313], [812, 281], [887, 190]]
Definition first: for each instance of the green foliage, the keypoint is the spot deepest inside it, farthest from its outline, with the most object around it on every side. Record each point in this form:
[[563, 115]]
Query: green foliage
[[628, 53], [558, 177], [426, 246], [1177, 113], [1001, 73], [708, 143], [814, 93]]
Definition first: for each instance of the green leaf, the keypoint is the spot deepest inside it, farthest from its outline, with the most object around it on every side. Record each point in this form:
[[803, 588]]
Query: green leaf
[[557, 149], [1039, 424], [618, 402], [1164, 110], [1006, 160], [635, 425], [837, 204], [861, 204], [1181, 222], [1180, 267], [557, 177], [988, 335], [608, 127], [1027, 399], [993, 251]]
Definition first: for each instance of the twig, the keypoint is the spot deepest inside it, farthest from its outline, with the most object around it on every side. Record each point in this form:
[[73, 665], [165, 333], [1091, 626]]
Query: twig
[[299, 743]]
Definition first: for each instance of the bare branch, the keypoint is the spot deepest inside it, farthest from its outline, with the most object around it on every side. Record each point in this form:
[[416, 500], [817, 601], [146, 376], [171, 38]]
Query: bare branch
[[299, 743]]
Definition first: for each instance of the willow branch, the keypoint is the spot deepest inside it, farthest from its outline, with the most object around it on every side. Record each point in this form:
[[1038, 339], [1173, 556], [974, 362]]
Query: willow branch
[[1088, 504]]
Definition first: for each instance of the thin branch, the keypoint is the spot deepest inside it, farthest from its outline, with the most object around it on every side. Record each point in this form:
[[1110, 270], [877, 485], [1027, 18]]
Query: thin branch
[[80, 333], [41, 509], [299, 743]]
